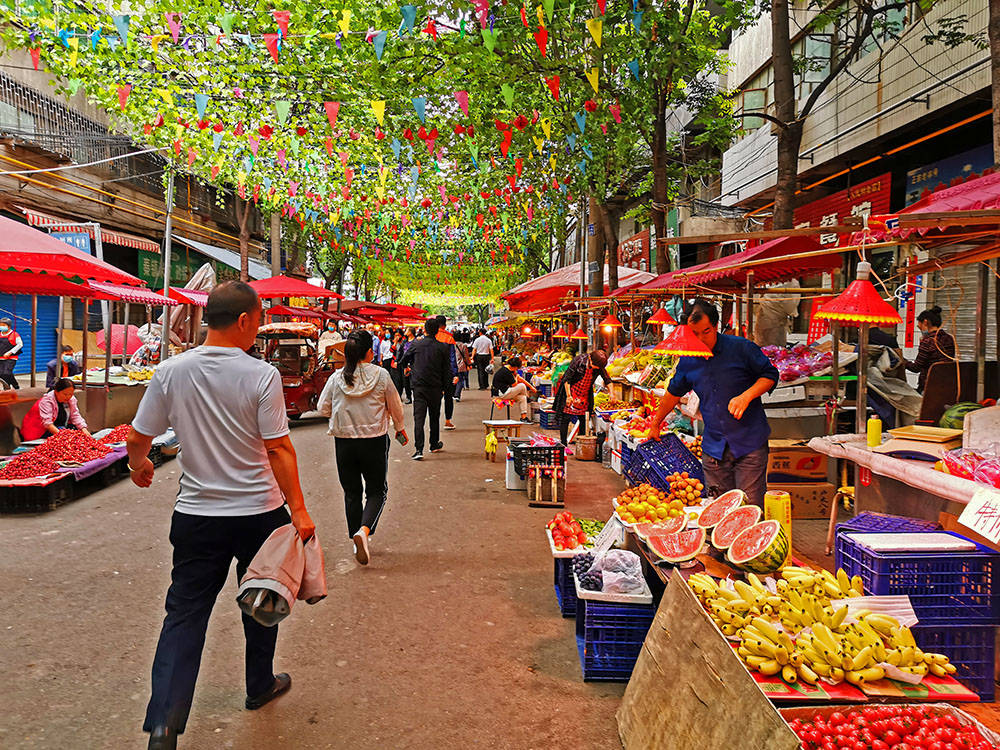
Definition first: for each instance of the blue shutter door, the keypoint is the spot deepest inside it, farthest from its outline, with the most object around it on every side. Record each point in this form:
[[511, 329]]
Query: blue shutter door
[[18, 308]]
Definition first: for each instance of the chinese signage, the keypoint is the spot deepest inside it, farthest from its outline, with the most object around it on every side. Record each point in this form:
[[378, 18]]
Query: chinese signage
[[867, 198], [81, 241], [634, 252], [982, 514], [943, 172], [183, 264]]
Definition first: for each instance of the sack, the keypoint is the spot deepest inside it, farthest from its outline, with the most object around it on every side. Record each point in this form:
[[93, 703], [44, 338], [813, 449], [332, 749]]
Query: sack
[[621, 572]]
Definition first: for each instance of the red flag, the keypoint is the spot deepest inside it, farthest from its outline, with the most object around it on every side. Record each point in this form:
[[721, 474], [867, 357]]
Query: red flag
[[332, 110], [281, 18], [271, 42], [542, 39], [601, 4], [431, 28], [123, 92], [35, 52], [553, 84]]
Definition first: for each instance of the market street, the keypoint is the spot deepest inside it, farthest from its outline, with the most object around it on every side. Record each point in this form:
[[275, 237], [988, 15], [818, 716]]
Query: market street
[[451, 637]]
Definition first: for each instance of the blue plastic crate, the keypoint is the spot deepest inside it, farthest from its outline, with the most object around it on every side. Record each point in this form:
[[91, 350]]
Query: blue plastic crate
[[545, 389], [626, 452], [655, 460], [609, 638], [879, 523], [564, 585], [547, 420], [944, 587], [971, 648]]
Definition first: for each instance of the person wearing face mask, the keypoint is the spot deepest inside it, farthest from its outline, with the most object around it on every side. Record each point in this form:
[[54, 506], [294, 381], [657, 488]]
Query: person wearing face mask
[[329, 337], [10, 348], [935, 345], [56, 410], [64, 366]]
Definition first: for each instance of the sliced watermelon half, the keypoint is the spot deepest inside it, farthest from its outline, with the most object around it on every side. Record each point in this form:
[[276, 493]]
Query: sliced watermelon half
[[718, 508], [762, 548], [732, 524], [667, 526], [677, 548]]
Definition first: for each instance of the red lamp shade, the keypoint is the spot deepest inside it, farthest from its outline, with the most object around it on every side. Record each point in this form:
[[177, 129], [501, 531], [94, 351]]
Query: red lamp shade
[[579, 334], [560, 334], [611, 321], [860, 303], [662, 318], [683, 343]]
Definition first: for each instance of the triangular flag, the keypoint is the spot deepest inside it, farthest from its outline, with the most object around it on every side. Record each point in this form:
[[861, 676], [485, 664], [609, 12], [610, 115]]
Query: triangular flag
[[395, 146], [542, 39], [637, 20], [121, 24], [95, 39], [594, 26], [192, 155], [378, 107], [593, 76], [581, 120], [601, 5], [201, 103], [409, 17], [616, 112], [254, 144], [332, 108], [174, 22], [226, 22], [508, 94], [462, 97], [282, 108], [431, 28], [420, 106], [505, 145], [281, 18], [490, 38], [550, 6], [634, 67], [74, 45], [345, 21], [166, 96], [123, 92], [379, 42], [217, 140], [271, 42], [553, 84], [571, 140], [546, 127]]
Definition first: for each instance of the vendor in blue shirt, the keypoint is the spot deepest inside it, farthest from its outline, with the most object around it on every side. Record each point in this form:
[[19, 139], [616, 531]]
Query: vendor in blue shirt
[[729, 385]]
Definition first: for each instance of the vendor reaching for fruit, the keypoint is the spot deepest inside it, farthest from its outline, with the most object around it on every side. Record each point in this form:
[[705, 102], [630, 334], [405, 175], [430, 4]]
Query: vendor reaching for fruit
[[574, 393], [56, 410], [729, 385]]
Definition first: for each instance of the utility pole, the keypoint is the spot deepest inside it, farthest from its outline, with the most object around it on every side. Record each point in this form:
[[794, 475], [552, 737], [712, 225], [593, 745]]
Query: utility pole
[[165, 331]]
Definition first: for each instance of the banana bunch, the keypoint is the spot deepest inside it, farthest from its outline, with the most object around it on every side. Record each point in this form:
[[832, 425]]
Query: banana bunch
[[808, 596], [771, 652], [733, 609], [902, 651]]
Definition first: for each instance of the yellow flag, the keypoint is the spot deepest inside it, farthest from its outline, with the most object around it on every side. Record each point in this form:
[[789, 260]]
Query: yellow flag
[[541, 21], [552, 163], [547, 127], [166, 96], [383, 173], [538, 142], [380, 192], [334, 217], [74, 46], [378, 107], [345, 21], [594, 26], [154, 42], [593, 75]]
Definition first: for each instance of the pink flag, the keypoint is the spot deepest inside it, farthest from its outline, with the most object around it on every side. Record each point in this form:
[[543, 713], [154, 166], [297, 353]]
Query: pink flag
[[174, 22], [332, 109], [192, 155], [254, 144], [123, 92], [463, 101]]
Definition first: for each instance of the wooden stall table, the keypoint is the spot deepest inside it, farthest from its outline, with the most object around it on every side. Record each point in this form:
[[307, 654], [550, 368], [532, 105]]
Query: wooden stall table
[[504, 429]]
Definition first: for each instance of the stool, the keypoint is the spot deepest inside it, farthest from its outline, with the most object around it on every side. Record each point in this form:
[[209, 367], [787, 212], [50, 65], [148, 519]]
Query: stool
[[500, 403], [503, 429]]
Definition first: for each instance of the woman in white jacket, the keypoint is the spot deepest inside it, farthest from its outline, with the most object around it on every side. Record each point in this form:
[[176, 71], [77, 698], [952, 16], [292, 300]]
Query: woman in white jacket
[[362, 404]]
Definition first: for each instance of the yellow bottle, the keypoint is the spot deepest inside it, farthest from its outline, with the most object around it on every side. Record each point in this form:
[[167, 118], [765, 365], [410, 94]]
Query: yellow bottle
[[778, 507], [874, 432]]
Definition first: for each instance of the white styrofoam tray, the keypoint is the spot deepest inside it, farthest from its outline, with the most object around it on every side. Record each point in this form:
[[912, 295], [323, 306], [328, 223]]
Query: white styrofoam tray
[[646, 597], [932, 541], [565, 552]]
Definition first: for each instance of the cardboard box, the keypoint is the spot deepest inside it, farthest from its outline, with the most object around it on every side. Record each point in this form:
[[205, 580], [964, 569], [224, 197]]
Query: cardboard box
[[809, 499], [789, 461]]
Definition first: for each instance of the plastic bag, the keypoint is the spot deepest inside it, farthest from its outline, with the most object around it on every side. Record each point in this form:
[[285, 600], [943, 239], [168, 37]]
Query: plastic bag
[[988, 472], [961, 462], [621, 570]]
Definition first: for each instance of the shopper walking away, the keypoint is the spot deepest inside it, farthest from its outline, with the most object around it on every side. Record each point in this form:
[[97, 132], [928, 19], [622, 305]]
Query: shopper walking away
[[729, 385], [396, 372], [238, 470], [936, 345], [405, 371], [10, 348], [507, 384], [449, 388], [574, 392], [427, 359], [482, 349], [464, 360], [362, 404]]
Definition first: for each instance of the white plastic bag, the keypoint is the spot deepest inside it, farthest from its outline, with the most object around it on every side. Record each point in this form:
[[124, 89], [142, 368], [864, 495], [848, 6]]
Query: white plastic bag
[[621, 571]]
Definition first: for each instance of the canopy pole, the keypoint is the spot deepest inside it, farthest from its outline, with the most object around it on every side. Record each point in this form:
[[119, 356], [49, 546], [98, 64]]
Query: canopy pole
[[34, 338], [835, 375], [86, 342], [981, 304], [60, 307], [750, 305], [581, 246], [738, 313], [861, 408], [125, 338], [168, 227], [108, 327]]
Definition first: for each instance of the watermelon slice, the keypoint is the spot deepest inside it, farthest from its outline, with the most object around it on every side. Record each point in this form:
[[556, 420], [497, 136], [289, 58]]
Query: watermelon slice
[[677, 548], [666, 526], [762, 548], [718, 508], [732, 524]]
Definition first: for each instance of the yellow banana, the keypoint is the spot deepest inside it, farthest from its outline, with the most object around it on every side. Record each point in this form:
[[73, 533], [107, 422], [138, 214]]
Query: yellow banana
[[893, 657], [821, 668], [789, 675], [808, 675], [843, 581], [837, 675], [950, 668], [756, 583], [781, 655], [864, 676], [937, 670], [838, 617], [767, 629], [796, 659], [858, 585], [755, 660], [769, 668], [863, 659], [746, 592]]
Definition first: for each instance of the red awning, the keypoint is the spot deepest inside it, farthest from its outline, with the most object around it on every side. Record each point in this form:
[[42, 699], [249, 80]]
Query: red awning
[[25, 249], [197, 297], [56, 224], [24, 282], [134, 294], [286, 286], [298, 312], [547, 290]]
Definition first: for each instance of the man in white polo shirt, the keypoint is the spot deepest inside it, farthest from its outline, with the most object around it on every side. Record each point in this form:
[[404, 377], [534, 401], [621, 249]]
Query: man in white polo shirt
[[238, 470], [482, 348]]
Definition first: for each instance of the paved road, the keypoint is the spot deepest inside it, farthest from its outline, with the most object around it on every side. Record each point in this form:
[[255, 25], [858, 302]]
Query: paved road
[[450, 639]]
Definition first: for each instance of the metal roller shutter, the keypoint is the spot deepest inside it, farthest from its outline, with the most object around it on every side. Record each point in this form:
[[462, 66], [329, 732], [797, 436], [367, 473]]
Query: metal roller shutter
[[17, 307], [955, 291]]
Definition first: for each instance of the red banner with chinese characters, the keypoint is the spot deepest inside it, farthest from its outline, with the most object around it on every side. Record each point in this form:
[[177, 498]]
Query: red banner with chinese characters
[[870, 197], [634, 252], [818, 327]]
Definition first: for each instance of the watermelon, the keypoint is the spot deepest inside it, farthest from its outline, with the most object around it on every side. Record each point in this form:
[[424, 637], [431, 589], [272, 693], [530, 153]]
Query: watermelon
[[762, 548], [677, 548], [954, 418], [666, 526], [718, 508], [732, 524]]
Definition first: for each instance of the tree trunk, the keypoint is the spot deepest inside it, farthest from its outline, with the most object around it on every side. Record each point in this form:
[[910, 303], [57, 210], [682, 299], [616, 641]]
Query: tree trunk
[[610, 222], [659, 210], [243, 217], [790, 133], [994, 33], [597, 248]]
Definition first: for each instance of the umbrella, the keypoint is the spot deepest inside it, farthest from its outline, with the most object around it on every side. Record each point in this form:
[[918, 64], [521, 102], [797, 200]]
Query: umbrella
[[118, 335], [286, 286]]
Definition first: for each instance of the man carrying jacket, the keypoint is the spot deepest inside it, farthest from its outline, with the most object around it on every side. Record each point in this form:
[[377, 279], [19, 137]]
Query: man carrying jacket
[[238, 472], [427, 358], [449, 389]]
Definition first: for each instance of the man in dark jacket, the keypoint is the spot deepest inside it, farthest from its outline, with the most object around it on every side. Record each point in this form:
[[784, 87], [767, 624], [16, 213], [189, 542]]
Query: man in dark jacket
[[430, 365], [64, 366]]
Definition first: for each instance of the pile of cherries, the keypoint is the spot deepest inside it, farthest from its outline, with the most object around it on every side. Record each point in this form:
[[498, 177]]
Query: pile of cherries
[[885, 727]]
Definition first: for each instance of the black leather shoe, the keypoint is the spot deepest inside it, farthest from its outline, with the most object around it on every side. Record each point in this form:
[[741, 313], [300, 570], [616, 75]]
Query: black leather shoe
[[281, 684], [163, 738]]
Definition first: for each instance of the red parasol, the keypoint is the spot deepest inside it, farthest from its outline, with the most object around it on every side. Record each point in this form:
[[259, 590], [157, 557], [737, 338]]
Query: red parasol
[[579, 334], [561, 333], [611, 321], [285, 286], [662, 318], [860, 303], [119, 334]]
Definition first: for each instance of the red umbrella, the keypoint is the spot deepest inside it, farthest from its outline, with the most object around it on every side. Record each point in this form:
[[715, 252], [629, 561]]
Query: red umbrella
[[119, 334], [23, 248], [24, 282], [299, 312], [285, 286]]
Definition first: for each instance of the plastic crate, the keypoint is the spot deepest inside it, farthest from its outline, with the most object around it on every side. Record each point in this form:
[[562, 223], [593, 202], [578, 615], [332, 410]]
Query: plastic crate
[[653, 461], [878, 523], [564, 585], [36, 498], [528, 455], [944, 587], [626, 455], [545, 389], [609, 638], [547, 420], [971, 648]]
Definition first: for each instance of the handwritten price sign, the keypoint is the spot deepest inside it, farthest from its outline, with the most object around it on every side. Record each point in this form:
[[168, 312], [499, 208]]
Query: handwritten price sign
[[982, 514]]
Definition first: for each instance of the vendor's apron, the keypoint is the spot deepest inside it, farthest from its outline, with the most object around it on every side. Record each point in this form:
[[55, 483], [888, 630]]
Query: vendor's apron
[[8, 362]]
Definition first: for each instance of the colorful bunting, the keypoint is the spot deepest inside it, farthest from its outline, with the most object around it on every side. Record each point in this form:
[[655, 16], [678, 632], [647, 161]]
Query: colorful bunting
[[594, 26], [332, 109], [378, 107], [592, 77], [553, 84]]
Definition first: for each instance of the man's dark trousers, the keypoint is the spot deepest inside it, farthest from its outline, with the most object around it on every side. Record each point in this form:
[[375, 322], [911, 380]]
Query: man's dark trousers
[[482, 362], [204, 548], [426, 402]]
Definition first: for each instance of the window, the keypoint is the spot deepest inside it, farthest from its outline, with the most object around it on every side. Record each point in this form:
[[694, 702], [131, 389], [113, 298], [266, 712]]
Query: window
[[886, 27], [753, 100], [815, 50]]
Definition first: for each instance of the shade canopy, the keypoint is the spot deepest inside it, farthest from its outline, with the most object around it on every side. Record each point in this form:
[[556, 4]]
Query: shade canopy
[[137, 295], [286, 286], [683, 343], [662, 318], [561, 333], [579, 334], [112, 236], [196, 297], [611, 320], [25, 282], [299, 312], [860, 303], [25, 249], [549, 289], [121, 335]]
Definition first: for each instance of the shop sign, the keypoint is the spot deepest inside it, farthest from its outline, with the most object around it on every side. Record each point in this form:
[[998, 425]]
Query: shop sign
[[942, 172], [867, 198], [634, 252], [81, 241], [982, 514]]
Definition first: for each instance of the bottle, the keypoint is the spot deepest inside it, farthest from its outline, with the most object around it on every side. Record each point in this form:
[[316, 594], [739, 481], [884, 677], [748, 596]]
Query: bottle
[[874, 432], [778, 507]]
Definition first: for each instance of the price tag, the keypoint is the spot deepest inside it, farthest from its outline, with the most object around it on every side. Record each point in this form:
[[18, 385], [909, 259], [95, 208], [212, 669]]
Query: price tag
[[982, 514], [613, 533]]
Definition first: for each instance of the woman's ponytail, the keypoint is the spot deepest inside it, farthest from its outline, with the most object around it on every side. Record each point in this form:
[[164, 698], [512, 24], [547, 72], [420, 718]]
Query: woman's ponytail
[[358, 344]]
